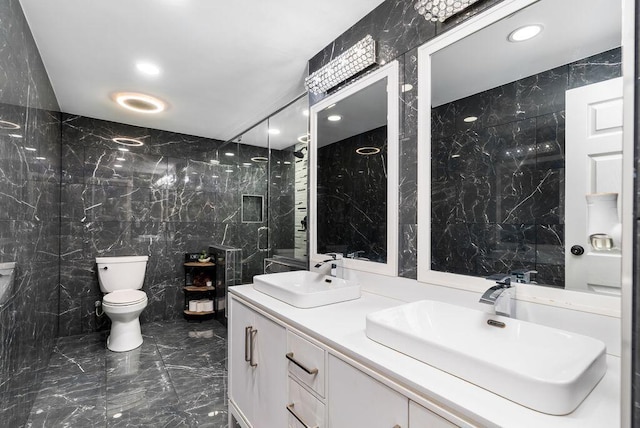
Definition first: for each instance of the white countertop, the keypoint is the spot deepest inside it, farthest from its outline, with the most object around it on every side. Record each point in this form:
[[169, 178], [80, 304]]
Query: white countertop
[[342, 327]]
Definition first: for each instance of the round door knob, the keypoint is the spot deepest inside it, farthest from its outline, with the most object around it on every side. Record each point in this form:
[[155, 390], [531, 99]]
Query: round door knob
[[577, 250]]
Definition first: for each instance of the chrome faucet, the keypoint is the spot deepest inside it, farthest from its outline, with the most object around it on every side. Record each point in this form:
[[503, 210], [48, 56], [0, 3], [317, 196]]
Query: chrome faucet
[[500, 296], [524, 276], [336, 258]]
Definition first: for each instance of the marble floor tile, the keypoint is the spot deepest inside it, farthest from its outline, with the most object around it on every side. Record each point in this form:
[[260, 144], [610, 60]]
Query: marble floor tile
[[177, 378]]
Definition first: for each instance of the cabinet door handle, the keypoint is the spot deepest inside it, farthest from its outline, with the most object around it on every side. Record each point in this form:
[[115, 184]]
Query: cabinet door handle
[[295, 415], [252, 339], [247, 334], [297, 363]]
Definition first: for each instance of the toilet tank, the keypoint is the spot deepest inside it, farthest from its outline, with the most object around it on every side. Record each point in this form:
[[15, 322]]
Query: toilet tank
[[121, 273]]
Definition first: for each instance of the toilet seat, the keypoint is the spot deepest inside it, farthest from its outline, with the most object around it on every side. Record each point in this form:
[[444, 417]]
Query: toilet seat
[[124, 297]]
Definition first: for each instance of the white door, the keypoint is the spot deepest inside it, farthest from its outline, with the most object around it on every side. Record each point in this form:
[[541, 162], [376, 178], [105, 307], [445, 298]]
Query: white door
[[593, 165]]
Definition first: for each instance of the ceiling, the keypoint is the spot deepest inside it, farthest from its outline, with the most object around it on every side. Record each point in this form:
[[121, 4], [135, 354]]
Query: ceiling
[[223, 65]]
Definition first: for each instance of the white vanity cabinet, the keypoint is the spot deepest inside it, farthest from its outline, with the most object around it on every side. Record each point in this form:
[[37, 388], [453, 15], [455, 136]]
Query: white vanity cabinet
[[257, 369], [357, 400], [419, 417]]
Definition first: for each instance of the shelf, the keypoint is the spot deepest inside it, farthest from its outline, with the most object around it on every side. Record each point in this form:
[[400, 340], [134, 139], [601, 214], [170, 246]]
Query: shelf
[[194, 288], [187, 312], [198, 264]]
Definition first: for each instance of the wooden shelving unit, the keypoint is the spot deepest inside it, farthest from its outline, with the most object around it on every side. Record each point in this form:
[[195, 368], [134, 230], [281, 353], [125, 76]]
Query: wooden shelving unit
[[199, 271]]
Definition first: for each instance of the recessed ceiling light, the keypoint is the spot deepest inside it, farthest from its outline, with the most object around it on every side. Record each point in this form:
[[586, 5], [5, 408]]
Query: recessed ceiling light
[[148, 68], [122, 149], [457, 156], [125, 141], [229, 154], [31, 149], [117, 166], [5, 124], [304, 139], [305, 112], [246, 164], [470, 119], [140, 103], [117, 415], [334, 118], [228, 170], [525, 33], [41, 158], [366, 151], [121, 159], [407, 87], [214, 176], [260, 159], [286, 163], [15, 135], [273, 131]]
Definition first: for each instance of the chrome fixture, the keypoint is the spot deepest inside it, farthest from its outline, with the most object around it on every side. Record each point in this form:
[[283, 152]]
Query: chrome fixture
[[439, 10], [335, 260], [299, 154], [524, 276], [351, 62], [500, 296]]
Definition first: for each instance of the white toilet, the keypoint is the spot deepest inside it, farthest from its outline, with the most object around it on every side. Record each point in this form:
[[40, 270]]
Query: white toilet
[[121, 279]]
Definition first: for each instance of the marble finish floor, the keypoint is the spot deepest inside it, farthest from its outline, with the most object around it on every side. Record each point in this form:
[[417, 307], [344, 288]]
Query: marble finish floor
[[177, 378]]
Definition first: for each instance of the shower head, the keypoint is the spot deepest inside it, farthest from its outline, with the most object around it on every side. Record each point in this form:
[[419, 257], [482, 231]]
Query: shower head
[[299, 153]]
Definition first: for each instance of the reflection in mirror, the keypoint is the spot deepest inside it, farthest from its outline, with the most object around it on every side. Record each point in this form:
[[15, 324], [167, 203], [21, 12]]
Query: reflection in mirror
[[288, 139], [508, 186], [356, 167]]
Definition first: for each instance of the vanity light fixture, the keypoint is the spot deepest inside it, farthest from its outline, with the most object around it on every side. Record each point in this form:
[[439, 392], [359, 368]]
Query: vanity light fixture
[[140, 103], [525, 33], [440, 10], [349, 63], [367, 151], [334, 118], [470, 119], [5, 124], [125, 141], [260, 159]]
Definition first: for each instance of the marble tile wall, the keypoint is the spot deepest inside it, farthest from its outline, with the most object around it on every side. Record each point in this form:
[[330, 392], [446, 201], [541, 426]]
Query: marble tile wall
[[174, 194], [29, 206], [508, 205]]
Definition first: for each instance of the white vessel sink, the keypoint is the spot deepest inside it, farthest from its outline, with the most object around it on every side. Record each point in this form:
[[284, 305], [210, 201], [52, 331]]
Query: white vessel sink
[[545, 369], [304, 289]]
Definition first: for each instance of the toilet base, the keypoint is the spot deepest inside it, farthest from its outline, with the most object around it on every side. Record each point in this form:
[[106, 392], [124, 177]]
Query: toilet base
[[124, 336]]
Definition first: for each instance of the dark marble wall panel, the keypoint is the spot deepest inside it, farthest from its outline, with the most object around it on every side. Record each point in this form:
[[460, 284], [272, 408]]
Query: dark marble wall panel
[[29, 207], [175, 194]]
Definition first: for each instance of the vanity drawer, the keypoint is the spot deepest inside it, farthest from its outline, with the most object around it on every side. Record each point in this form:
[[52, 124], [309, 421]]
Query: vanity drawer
[[303, 408], [306, 362]]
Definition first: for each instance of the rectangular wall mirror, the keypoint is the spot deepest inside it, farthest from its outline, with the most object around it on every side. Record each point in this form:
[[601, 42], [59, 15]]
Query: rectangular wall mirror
[[514, 133], [354, 173]]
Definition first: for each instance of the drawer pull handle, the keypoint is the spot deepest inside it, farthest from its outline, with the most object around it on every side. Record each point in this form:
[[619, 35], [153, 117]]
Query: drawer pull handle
[[247, 332], [295, 415], [252, 339], [308, 371]]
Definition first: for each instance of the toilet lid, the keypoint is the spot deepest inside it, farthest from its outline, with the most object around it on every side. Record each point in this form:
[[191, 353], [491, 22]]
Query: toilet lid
[[124, 297]]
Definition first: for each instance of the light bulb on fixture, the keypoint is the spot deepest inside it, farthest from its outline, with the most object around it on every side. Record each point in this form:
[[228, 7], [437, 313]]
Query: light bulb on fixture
[[140, 103], [525, 33]]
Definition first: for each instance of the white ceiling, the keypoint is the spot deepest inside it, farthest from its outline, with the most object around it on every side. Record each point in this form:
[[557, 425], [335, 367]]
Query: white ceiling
[[224, 64]]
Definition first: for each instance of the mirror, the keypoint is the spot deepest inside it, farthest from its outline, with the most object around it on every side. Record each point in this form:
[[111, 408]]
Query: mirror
[[354, 173], [503, 178]]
